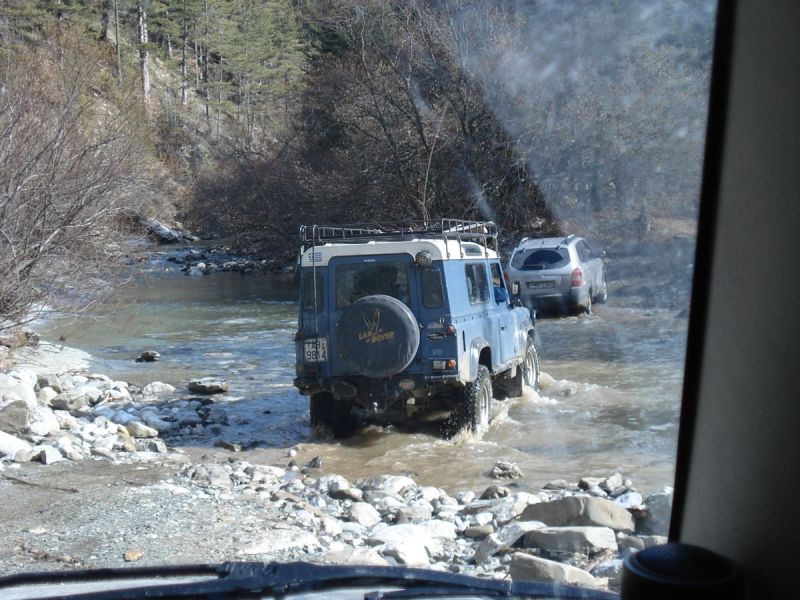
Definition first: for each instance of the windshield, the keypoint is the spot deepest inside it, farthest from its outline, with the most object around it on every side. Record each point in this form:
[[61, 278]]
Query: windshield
[[182, 379]]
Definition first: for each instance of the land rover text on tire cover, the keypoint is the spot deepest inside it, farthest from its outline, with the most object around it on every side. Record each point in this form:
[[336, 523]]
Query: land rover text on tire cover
[[399, 320]]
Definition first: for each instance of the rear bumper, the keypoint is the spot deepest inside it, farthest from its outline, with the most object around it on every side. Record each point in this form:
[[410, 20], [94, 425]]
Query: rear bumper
[[397, 385], [572, 299]]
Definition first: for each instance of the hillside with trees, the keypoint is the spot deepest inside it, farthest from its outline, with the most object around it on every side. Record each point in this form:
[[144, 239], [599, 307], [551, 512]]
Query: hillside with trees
[[246, 118]]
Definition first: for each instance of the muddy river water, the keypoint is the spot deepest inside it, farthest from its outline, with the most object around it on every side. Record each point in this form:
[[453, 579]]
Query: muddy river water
[[609, 400]]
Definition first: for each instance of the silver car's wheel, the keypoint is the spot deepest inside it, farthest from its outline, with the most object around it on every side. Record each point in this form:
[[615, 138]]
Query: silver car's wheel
[[602, 297], [587, 308]]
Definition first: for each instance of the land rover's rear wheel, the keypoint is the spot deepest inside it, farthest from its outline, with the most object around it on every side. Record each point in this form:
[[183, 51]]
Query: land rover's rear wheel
[[474, 409], [531, 372], [330, 414]]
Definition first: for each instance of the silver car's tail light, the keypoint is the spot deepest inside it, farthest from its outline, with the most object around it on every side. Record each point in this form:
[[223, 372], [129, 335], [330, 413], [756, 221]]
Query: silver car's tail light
[[577, 277]]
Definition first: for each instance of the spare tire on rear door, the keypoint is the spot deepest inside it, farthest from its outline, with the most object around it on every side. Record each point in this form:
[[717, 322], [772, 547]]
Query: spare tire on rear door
[[377, 336]]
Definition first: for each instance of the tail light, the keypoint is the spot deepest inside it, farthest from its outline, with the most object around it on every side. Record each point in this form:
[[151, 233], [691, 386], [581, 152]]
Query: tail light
[[450, 330], [577, 277], [299, 336]]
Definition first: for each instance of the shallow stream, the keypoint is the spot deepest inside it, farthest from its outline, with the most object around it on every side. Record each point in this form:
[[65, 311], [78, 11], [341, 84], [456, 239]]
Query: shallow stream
[[609, 400]]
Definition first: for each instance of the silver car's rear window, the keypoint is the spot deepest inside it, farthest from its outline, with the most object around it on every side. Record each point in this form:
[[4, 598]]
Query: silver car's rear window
[[542, 258]]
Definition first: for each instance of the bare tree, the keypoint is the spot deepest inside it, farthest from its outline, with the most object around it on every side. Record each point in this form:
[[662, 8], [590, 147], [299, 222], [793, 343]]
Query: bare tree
[[144, 53], [71, 167]]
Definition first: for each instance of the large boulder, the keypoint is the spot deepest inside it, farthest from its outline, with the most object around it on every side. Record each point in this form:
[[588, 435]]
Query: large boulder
[[207, 385], [408, 552], [14, 416], [524, 567], [12, 389], [10, 445], [580, 510], [43, 421], [363, 514], [431, 535], [504, 539], [572, 539], [505, 509]]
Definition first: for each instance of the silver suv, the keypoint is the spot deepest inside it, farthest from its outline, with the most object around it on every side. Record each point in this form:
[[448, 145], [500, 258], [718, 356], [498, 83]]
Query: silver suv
[[565, 273]]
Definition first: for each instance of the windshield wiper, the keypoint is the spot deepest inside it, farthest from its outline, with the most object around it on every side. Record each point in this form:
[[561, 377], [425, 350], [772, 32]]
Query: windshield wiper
[[255, 579]]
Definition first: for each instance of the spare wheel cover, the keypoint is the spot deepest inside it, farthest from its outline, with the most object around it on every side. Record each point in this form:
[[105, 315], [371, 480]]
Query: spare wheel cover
[[377, 336]]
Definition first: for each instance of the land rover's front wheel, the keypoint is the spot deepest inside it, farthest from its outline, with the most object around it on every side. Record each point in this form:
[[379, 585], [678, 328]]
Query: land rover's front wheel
[[474, 409], [329, 413]]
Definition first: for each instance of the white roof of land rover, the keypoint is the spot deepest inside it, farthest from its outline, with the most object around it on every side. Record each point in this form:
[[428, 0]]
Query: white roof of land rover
[[321, 255]]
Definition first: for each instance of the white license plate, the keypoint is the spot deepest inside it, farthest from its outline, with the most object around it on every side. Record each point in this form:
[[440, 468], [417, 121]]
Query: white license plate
[[541, 284], [316, 350]]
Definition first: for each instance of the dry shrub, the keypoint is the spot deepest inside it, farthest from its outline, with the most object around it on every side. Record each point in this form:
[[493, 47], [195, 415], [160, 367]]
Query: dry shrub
[[73, 158]]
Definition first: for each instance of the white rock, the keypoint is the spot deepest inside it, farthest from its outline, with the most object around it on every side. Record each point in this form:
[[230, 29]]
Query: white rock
[[609, 484], [157, 388], [572, 539], [363, 514], [43, 421], [408, 552], [386, 504], [280, 540], [503, 539], [16, 390], [431, 493], [388, 483], [483, 518], [10, 445], [465, 497], [355, 556], [331, 526], [47, 454], [504, 509], [430, 534], [90, 392], [64, 444], [104, 443], [25, 376], [138, 429], [532, 568], [630, 500], [46, 394], [331, 483]]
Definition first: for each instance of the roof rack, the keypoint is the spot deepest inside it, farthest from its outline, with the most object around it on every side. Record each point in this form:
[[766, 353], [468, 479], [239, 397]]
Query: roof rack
[[480, 232]]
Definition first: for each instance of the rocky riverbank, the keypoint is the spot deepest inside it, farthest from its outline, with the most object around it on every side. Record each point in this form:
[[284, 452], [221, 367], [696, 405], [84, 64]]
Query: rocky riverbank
[[91, 476]]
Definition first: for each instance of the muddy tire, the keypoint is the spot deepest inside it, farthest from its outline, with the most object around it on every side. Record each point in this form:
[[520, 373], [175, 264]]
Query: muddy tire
[[330, 414], [531, 372], [474, 409]]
